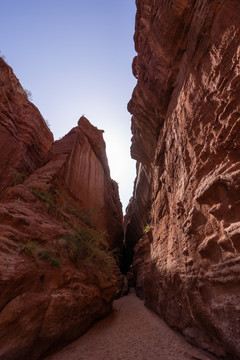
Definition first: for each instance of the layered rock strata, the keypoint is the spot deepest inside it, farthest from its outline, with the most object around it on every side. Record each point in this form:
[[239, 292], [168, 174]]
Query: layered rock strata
[[186, 126], [60, 225]]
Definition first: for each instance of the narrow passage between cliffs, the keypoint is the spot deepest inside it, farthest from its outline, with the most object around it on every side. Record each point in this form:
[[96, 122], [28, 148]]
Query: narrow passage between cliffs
[[131, 332]]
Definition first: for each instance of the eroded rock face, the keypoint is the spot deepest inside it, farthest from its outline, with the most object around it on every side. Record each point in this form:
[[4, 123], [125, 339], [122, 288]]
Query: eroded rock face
[[24, 135], [186, 128], [78, 164], [58, 229], [138, 213]]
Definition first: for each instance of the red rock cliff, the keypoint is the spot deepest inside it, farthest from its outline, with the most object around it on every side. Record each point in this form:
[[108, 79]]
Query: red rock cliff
[[59, 227], [186, 126], [24, 135]]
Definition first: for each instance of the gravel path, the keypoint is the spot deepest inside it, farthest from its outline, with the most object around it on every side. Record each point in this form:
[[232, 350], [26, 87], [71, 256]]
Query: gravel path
[[131, 332]]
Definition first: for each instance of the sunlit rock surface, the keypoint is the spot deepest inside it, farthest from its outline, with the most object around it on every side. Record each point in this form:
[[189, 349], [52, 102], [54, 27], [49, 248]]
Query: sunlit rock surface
[[60, 224], [186, 137]]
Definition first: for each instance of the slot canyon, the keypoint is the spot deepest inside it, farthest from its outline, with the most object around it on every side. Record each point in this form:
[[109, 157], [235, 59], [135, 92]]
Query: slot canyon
[[68, 256]]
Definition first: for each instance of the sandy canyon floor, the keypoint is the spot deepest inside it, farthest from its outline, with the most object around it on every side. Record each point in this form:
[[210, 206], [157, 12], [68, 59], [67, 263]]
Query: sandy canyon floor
[[131, 332]]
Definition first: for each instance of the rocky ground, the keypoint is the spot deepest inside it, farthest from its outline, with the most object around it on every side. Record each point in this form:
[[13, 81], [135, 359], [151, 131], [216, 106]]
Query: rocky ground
[[131, 332]]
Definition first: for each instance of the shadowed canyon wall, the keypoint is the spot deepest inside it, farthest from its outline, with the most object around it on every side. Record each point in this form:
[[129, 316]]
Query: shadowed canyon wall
[[186, 139], [60, 228]]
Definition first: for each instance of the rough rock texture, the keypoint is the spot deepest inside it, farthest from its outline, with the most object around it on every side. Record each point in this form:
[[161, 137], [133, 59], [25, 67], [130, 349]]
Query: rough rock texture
[[186, 136], [24, 135], [138, 214], [57, 273], [77, 164]]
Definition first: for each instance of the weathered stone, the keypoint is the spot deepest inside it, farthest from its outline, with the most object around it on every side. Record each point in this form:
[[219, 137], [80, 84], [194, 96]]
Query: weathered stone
[[57, 272], [24, 135], [186, 128]]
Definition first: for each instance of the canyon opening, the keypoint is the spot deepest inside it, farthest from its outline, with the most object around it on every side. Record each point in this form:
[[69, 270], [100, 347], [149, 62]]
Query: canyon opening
[[79, 279]]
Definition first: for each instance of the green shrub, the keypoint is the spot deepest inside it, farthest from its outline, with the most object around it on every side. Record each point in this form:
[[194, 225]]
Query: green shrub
[[89, 246], [46, 254], [48, 199], [17, 177], [28, 247], [55, 262], [85, 215], [146, 229]]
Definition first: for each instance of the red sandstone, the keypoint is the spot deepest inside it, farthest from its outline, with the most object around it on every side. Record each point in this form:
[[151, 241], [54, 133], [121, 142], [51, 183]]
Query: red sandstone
[[186, 130], [56, 199]]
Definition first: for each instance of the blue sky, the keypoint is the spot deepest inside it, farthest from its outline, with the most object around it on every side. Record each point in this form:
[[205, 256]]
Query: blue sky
[[75, 57]]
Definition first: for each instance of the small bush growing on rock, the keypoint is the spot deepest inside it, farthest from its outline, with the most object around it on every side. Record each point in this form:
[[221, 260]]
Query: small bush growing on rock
[[89, 246], [28, 247], [55, 261], [27, 93], [47, 255], [47, 198], [146, 229], [85, 215], [17, 177]]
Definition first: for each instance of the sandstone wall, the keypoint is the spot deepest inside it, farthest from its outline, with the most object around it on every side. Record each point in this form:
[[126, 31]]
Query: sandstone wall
[[59, 226], [78, 164], [88, 178], [24, 135], [186, 135]]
